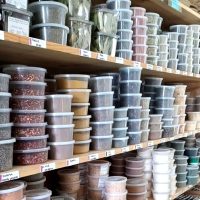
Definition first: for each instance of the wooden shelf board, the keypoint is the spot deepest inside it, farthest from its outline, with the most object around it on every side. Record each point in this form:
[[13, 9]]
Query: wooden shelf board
[[28, 170]]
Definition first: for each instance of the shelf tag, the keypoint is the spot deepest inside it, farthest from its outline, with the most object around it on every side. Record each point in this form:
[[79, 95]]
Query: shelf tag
[[110, 153], [37, 43], [163, 140], [119, 60], [137, 64], [172, 138], [150, 143], [2, 35], [86, 53], [190, 74], [138, 146], [185, 73], [73, 161], [9, 176], [185, 134], [101, 56], [48, 167], [178, 71], [175, 4], [125, 149], [159, 68], [149, 66], [94, 156], [169, 70]]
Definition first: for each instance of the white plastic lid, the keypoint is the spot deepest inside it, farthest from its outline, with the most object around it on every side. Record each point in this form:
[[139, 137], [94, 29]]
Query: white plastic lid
[[59, 114], [60, 126], [134, 133], [5, 94], [32, 150], [101, 137], [139, 95], [119, 129], [101, 123], [83, 142], [131, 81], [61, 143], [10, 141], [102, 108], [75, 90], [38, 194], [16, 67], [121, 119], [54, 96], [25, 125], [100, 77], [82, 117], [82, 130], [34, 83], [71, 76], [10, 187], [6, 125], [28, 111], [32, 138], [5, 110], [101, 93], [124, 138]]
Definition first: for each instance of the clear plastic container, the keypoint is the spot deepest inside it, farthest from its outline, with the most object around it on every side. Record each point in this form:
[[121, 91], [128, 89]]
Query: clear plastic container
[[138, 11], [139, 39], [152, 18], [136, 196], [101, 99], [130, 100], [173, 44], [81, 147], [179, 28], [196, 43], [104, 43], [145, 123], [145, 135], [155, 134], [81, 122], [60, 133], [39, 184], [140, 57], [97, 182], [196, 69], [130, 87], [181, 48], [5, 115], [168, 131], [141, 49], [80, 33], [134, 125], [163, 48], [48, 12], [119, 132], [120, 142], [155, 126], [5, 131], [190, 125], [41, 194], [166, 112], [153, 60], [145, 113], [4, 100], [122, 4], [134, 137], [120, 112], [126, 54], [164, 102], [100, 143], [182, 38], [152, 50], [30, 157], [113, 196], [139, 20], [124, 44], [163, 39], [98, 168], [155, 118], [139, 30], [152, 40], [163, 57], [182, 67], [165, 91], [124, 34], [59, 118], [124, 24], [182, 58], [82, 134], [61, 150], [173, 52], [125, 14], [163, 63], [152, 29], [120, 122]]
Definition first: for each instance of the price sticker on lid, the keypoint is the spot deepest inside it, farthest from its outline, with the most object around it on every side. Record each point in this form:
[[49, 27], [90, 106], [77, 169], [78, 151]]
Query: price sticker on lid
[[37, 43], [48, 167], [9, 176]]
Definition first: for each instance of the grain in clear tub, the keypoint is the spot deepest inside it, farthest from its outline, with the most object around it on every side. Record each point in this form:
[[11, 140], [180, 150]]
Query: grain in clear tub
[[71, 81], [97, 182], [81, 122], [113, 196], [101, 142], [80, 109], [68, 175], [101, 128], [82, 147], [41, 194], [82, 134], [98, 168], [101, 99]]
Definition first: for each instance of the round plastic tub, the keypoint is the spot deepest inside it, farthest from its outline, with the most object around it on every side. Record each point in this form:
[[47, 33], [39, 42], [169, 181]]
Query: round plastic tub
[[126, 54], [159, 195], [145, 113], [130, 87], [134, 172], [145, 123], [134, 137], [152, 50], [80, 109], [130, 73], [5, 131], [136, 196], [191, 151], [190, 125], [164, 102], [193, 160], [181, 184], [58, 103], [179, 152], [124, 24], [120, 122], [193, 116], [161, 156], [165, 91], [162, 168], [130, 100], [36, 184], [141, 49], [120, 113], [161, 187], [155, 134], [178, 144], [101, 99], [115, 184], [181, 176], [192, 170], [117, 168], [119, 132], [192, 180], [81, 147], [139, 39], [136, 185], [95, 193], [101, 84], [132, 162], [138, 11], [81, 122], [101, 142], [68, 175], [124, 44], [81, 134], [102, 114], [120, 142], [153, 81], [144, 102], [167, 122], [118, 160], [26, 143], [181, 159], [180, 168], [166, 112], [140, 57], [134, 125], [113, 196], [41, 194], [155, 126], [60, 133], [4, 99], [125, 34], [98, 168], [152, 29], [101, 128], [30, 157], [152, 40], [12, 190], [152, 18], [79, 95], [134, 112], [97, 182]]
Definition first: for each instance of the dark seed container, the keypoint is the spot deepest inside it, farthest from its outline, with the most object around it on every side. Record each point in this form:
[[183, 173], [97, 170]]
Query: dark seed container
[[166, 112], [101, 99], [168, 131], [180, 168], [59, 118], [134, 125], [119, 132], [191, 151], [134, 112], [120, 112], [192, 180], [165, 91], [5, 115], [115, 80], [180, 159], [27, 102], [130, 100], [25, 73], [181, 184], [120, 122], [4, 80], [130, 73], [193, 170], [181, 176], [5, 131], [178, 144], [134, 137], [153, 81], [130, 87], [179, 152], [164, 102], [4, 99], [101, 128], [6, 152]]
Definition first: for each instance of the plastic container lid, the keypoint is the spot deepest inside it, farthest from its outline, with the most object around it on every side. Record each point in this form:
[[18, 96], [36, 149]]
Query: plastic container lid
[[80, 20], [29, 97], [102, 108], [82, 130], [29, 124], [80, 104], [101, 137], [6, 125], [59, 114], [121, 109], [10, 141], [101, 77], [124, 138], [16, 67], [101, 123], [28, 111], [28, 83], [130, 81], [32, 150], [32, 138], [119, 129], [58, 96], [134, 133], [38, 194], [101, 93], [10, 187], [120, 119], [139, 95], [61, 143], [5, 94], [83, 142], [75, 90], [60, 126], [82, 117], [37, 182], [38, 4]]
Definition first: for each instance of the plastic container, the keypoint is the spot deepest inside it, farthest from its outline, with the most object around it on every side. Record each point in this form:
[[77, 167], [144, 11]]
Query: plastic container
[[181, 176], [155, 126], [179, 152], [124, 44], [194, 160], [163, 196], [130, 100], [166, 112], [80, 33], [180, 168], [81, 134], [178, 145], [36, 184], [120, 142], [155, 134], [81, 122], [165, 91], [124, 24], [80, 109], [125, 14], [97, 182], [193, 116], [120, 113], [125, 34], [153, 81], [140, 57], [101, 128], [134, 137], [191, 151], [12, 190], [152, 50], [167, 122], [145, 123], [153, 60], [161, 177], [181, 184], [134, 125], [190, 125], [192, 170], [152, 40], [155, 118], [102, 114], [32, 156], [41, 194], [164, 102], [138, 11], [161, 187], [126, 54], [172, 64], [145, 135], [61, 150], [152, 18], [5, 115], [145, 113], [113, 196], [130, 73], [101, 142], [101, 99], [64, 118], [161, 156], [179, 28], [81, 147], [130, 87], [181, 159], [139, 30], [192, 180], [124, 4], [119, 132], [136, 196], [152, 29], [120, 122], [168, 131], [98, 168]]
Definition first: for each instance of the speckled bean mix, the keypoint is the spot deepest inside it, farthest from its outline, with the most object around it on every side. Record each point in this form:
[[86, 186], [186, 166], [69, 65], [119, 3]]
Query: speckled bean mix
[[5, 131], [4, 117], [4, 80], [4, 101]]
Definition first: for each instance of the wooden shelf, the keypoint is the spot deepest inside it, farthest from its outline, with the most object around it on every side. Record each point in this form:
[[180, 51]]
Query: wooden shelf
[[65, 59], [23, 171]]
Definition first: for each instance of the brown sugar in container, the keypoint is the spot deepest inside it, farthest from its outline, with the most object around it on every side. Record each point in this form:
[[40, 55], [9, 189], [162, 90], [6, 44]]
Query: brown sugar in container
[[81, 121], [82, 134], [80, 109], [82, 147], [136, 185], [69, 175], [98, 168], [71, 81]]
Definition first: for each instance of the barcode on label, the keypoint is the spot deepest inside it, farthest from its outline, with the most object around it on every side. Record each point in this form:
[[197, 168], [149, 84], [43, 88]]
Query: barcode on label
[[125, 149], [101, 56], [119, 60], [48, 167], [37, 43], [149, 66], [2, 35], [110, 153], [9, 176], [93, 156], [86, 53], [73, 161]]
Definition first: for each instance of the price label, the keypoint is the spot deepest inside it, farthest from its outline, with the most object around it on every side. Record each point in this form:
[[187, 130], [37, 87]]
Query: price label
[[138, 146], [149, 66], [48, 167], [198, 75], [159, 68], [190, 74], [86, 53], [94, 156], [73, 161], [184, 73], [9, 176], [185, 134], [101, 56], [37, 43], [172, 138], [163, 140], [2, 35], [119, 60], [125, 149], [169, 70], [137, 64], [150, 143], [178, 71], [110, 153]]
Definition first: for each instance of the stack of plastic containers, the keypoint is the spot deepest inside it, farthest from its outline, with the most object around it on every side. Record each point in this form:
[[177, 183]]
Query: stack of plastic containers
[[152, 24], [163, 52], [196, 51], [173, 50], [98, 172], [102, 111], [139, 34], [104, 38], [118, 165], [192, 174], [190, 104], [28, 89], [6, 143], [48, 21], [130, 97], [146, 154], [162, 170], [178, 145], [182, 56]]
